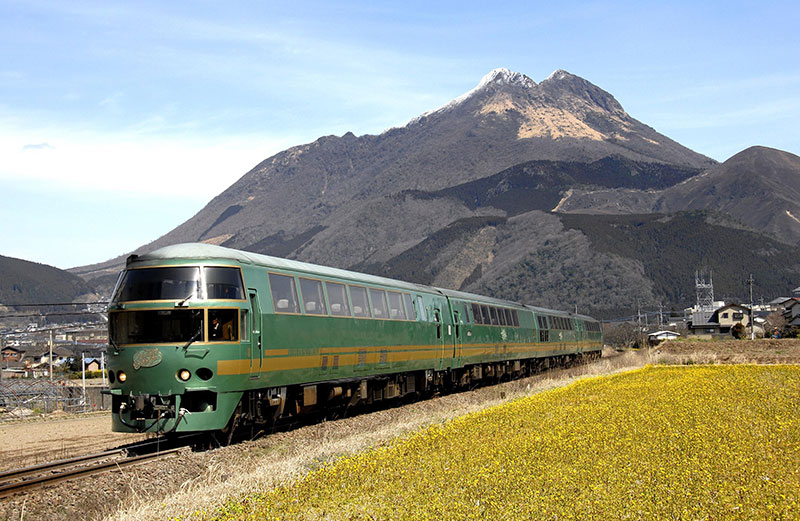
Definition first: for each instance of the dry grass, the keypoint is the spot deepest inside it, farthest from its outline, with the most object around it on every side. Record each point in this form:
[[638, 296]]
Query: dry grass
[[259, 466]]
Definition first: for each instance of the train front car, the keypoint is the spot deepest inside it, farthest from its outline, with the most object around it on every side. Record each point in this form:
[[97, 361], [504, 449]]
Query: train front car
[[171, 320]]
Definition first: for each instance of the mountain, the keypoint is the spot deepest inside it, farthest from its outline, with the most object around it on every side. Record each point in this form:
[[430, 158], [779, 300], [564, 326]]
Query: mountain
[[26, 283], [759, 186], [506, 120], [483, 194]]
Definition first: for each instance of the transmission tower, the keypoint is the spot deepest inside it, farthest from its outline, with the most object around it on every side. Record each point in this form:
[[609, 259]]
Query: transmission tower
[[705, 297]]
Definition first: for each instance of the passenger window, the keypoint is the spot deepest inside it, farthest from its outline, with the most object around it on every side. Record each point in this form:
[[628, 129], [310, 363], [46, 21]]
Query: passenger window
[[421, 309], [358, 296], [396, 310], [378, 298], [284, 293], [224, 283], [313, 298], [501, 316], [493, 311], [466, 313], [409, 306], [337, 297], [223, 325], [515, 317], [476, 314], [487, 320]]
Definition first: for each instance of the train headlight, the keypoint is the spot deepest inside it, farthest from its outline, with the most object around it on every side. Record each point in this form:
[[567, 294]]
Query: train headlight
[[121, 376], [184, 375]]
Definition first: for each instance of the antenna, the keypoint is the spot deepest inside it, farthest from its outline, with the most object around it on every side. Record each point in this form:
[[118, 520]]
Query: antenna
[[705, 297]]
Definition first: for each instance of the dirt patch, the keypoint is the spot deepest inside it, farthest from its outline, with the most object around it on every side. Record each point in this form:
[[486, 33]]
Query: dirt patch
[[34, 441], [767, 351]]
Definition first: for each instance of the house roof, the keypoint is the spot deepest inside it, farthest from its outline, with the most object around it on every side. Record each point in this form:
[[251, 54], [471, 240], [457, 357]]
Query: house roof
[[657, 333]]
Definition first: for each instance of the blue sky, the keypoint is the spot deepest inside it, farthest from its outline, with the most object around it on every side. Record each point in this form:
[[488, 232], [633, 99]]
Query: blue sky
[[120, 120]]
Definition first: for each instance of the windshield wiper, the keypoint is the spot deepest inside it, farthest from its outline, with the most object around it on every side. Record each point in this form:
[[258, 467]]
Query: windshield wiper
[[193, 339], [182, 302]]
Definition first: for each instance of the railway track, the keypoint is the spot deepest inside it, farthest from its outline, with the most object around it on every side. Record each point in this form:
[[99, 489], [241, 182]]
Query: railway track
[[28, 478]]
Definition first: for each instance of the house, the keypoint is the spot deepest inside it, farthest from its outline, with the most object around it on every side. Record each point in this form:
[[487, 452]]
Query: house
[[92, 364], [659, 336], [722, 320], [12, 354], [796, 292], [791, 312]]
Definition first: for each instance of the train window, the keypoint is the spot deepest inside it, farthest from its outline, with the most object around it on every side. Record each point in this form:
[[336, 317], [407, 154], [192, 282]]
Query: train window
[[409, 306], [509, 321], [284, 293], [168, 283], [223, 325], [313, 298], [466, 313], [378, 298], [396, 310], [224, 283], [543, 322], [358, 296], [156, 326], [243, 325], [487, 320], [421, 309], [501, 317], [476, 313], [515, 317], [337, 298], [493, 311], [544, 335]]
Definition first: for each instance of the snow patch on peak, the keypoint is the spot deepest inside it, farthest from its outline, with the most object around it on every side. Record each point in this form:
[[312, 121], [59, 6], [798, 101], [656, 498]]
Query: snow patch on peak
[[558, 74], [500, 76], [503, 76]]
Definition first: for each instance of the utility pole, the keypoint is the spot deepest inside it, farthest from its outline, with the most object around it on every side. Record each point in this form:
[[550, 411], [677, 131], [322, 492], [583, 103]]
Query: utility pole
[[83, 378], [752, 331], [51, 355], [660, 315]]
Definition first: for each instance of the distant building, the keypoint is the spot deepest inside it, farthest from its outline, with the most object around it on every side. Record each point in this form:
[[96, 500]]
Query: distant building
[[659, 336], [791, 312], [12, 354], [92, 365], [796, 291], [722, 321]]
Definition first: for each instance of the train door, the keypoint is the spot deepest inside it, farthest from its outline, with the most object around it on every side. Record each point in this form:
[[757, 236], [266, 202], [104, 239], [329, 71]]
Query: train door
[[458, 341], [256, 350], [437, 319]]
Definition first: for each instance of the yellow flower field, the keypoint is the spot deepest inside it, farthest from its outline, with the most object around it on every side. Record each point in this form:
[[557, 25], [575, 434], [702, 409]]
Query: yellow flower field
[[700, 442]]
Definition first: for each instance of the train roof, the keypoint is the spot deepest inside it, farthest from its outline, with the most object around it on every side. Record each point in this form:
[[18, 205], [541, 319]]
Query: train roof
[[200, 251]]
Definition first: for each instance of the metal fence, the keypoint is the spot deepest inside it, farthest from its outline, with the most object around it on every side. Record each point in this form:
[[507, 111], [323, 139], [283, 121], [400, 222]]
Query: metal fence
[[20, 398]]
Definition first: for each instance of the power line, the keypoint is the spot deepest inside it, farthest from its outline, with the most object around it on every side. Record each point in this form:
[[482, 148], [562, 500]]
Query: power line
[[53, 304], [72, 314]]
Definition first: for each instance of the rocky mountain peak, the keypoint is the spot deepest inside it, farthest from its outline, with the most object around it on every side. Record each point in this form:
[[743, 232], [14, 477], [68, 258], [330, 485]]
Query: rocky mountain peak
[[503, 76]]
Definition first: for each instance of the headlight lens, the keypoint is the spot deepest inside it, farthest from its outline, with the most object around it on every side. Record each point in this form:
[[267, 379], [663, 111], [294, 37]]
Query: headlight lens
[[184, 375], [121, 376]]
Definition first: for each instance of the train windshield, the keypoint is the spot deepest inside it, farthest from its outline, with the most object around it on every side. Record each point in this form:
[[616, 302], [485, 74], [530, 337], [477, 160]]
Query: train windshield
[[156, 326], [168, 283]]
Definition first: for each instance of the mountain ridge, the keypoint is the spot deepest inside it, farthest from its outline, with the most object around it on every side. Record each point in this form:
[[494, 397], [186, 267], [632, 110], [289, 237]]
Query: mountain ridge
[[465, 196]]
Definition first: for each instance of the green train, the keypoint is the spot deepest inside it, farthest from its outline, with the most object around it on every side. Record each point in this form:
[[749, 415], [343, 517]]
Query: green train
[[205, 338]]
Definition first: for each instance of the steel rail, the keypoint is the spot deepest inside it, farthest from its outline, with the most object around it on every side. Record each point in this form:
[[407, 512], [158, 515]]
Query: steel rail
[[7, 489]]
